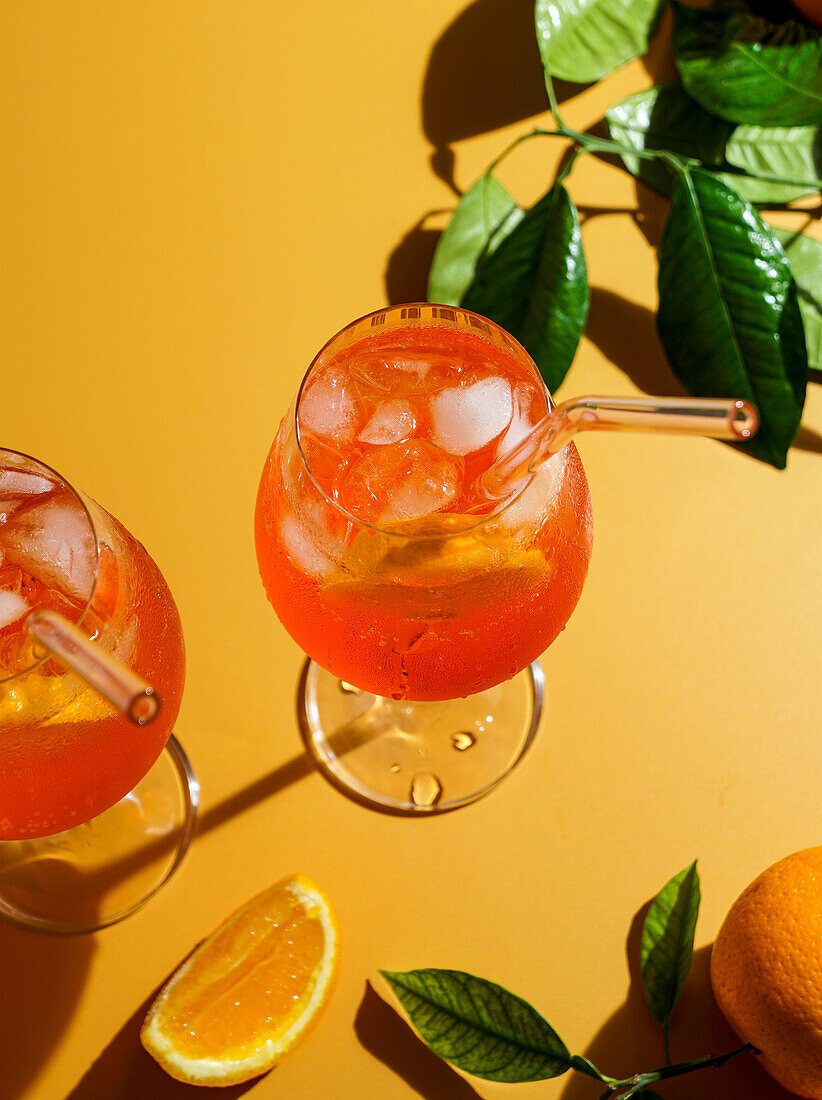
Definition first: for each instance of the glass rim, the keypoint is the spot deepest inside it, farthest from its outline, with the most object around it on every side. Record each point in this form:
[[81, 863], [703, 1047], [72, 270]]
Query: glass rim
[[447, 315], [59, 479]]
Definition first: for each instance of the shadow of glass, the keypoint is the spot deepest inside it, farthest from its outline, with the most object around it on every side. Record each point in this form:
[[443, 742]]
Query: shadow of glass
[[125, 1070], [43, 977], [386, 1036], [631, 1041]]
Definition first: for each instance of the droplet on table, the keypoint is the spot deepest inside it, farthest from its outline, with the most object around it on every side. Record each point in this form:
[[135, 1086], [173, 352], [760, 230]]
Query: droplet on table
[[426, 789]]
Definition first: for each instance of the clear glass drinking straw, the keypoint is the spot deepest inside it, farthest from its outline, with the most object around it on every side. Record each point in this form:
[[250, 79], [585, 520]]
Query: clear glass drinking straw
[[734, 419], [123, 688]]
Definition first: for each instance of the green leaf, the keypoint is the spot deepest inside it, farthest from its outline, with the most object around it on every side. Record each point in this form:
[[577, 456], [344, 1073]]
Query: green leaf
[[484, 215], [584, 40], [535, 284], [744, 68], [728, 315], [793, 152], [479, 1026], [667, 944], [665, 117], [583, 1065], [805, 259]]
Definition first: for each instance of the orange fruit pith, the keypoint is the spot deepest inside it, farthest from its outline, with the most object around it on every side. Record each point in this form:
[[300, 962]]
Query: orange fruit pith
[[250, 991], [766, 970]]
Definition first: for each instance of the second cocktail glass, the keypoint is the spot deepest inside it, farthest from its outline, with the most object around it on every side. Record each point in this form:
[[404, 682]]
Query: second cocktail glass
[[422, 603], [96, 808]]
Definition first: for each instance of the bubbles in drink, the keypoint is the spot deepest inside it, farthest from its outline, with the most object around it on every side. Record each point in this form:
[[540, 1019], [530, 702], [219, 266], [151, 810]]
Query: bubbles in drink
[[391, 422], [404, 481], [465, 419]]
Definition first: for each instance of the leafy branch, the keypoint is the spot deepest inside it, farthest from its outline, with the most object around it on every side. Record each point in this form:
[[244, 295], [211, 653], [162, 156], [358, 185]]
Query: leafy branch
[[483, 1029], [740, 304]]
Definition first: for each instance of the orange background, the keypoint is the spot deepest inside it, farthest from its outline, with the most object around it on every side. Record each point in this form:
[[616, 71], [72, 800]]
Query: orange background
[[198, 194]]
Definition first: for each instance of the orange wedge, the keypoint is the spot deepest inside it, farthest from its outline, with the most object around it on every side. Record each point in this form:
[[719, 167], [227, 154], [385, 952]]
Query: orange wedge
[[249, 992]]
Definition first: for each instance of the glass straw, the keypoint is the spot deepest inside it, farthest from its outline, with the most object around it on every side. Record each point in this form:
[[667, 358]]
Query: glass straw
[[734, 419], [123, 688]]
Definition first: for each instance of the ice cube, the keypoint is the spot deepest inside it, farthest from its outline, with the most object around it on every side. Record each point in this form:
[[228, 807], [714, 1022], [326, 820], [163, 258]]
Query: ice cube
[[19, 487], [22, 483], [323, 461], [328, 408], [521, 422], [53, 542], [406, 480], [391, 422], [12, 607], [538, 497], [400, 375], [302, 547], [465, 419]]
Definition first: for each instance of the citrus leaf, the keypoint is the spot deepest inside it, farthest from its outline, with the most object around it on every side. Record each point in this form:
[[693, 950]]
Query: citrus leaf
[[665, 117], [584, 40], [535, 284], [485, 213], [805, 258], [583, 1065], [743, 67], [478, 1026], [794, 152], [728, 314], [667, 943]]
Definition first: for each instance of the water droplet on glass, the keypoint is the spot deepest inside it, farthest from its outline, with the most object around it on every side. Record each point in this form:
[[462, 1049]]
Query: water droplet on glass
[[395, 768], [426, 789], [349, 689], [463, 740]]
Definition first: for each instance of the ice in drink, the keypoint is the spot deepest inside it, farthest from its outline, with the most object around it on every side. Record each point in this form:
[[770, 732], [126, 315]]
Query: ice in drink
[[65, 753], [378, 550]]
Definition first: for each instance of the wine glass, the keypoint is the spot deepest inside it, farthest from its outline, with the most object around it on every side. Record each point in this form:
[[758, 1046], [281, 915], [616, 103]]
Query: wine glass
[[423, 531], [422, 603], [97, 806]]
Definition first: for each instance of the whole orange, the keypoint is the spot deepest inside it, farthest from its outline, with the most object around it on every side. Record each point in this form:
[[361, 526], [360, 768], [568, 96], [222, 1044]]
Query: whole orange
[[811, 9], [766, 970]]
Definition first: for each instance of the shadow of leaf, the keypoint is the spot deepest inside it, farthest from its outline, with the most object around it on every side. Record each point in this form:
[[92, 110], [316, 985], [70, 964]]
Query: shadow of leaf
[[625, 333], [406, 273], [43, 977], [385, 1034], [631, 1041], [484, 72]]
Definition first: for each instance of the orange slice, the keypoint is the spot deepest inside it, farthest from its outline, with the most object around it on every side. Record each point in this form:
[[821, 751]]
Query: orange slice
[[250, 991]]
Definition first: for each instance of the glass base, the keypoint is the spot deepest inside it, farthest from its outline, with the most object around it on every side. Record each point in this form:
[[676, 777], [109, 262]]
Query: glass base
[[417, 758], [98, 873]]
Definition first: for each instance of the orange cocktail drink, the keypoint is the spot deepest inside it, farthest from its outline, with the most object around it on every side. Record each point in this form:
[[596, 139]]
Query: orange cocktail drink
[[378, 549], [66, 754]]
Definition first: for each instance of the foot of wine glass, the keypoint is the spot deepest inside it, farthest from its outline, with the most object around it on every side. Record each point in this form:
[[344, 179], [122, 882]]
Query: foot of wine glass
[[417, 758]]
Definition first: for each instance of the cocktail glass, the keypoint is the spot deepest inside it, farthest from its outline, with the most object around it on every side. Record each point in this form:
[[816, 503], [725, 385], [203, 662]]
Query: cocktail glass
[[423, 531], [96, 807]]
